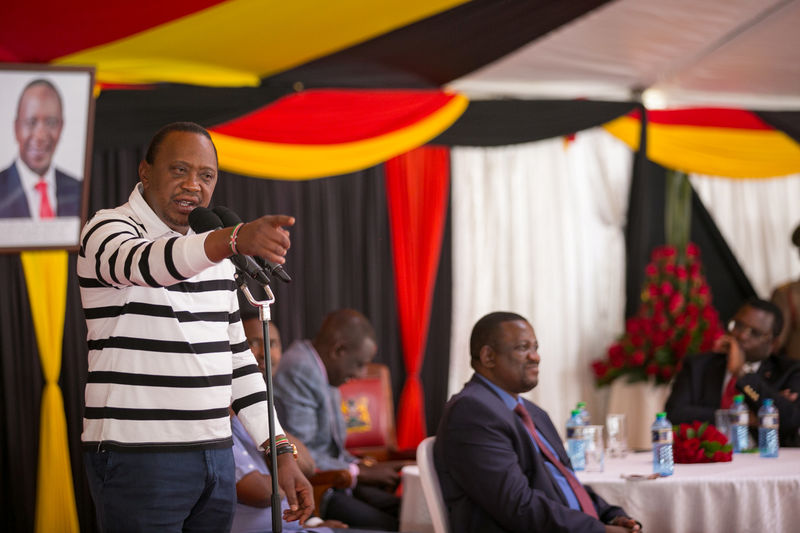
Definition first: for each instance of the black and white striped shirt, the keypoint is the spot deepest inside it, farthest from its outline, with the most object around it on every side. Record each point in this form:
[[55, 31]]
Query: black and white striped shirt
[[167, 351]]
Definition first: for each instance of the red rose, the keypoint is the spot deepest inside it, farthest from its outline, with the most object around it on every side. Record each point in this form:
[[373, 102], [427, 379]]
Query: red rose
[[666, 372], [652, 369], [675, 302], [669, 269], [681, 273], [637, 359], [600, 369], [616, 355], [652, 290], [651, 270], [667, 288], [722, 457], [633, 325], [692, 250], [709, 313]]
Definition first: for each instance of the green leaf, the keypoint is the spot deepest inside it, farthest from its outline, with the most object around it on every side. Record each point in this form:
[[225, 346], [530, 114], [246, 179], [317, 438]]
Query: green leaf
[[690, 433], [701, 431], [710, 446]]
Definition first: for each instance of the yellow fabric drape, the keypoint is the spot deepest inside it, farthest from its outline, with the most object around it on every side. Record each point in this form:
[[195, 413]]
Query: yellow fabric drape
[[46, 278], [730, 152], [295, 161], [236, 42]]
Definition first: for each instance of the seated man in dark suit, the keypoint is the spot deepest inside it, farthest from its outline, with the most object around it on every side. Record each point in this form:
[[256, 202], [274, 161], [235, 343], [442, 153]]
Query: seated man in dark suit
[[500, 461], [32, 186], [743, 362]]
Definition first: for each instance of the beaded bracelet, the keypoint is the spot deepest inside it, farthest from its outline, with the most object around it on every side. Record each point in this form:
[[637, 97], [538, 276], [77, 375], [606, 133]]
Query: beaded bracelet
[[234, 234]]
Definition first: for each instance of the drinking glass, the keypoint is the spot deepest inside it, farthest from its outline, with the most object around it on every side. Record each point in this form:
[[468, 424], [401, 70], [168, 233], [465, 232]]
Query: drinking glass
[[617, 433], [595, 449], [722, 419]]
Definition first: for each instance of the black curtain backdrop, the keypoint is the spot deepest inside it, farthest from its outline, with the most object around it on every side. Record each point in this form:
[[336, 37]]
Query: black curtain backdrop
[[340, 257], [502, 122], [645, 230], [430, 52]]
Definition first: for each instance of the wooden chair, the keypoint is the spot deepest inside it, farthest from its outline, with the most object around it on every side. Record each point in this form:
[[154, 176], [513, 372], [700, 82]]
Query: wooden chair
[[327, 479], [368, 410]]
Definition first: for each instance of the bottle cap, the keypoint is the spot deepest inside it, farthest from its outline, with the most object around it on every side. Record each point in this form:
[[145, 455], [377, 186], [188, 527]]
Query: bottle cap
[[581, 404], [661, 415], [739, 398], [767, 401], [575, 412]]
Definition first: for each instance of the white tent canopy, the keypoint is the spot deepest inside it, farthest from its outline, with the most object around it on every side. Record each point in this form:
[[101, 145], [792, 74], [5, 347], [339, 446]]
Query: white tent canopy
[[682, 53]]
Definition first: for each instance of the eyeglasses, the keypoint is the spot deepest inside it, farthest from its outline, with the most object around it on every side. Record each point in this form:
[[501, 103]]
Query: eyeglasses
[[735, 326]]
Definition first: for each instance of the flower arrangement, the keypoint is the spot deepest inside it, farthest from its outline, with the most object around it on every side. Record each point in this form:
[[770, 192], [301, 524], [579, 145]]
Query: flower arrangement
[[700, 442], [675, 318]]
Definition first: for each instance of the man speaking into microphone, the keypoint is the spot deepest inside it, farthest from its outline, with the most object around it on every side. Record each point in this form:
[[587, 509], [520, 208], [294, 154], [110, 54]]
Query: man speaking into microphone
[[167, 351]]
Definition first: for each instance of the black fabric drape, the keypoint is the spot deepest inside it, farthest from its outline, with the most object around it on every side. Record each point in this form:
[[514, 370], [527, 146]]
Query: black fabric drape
[[441, 48], [21, 399], [645, 230], [786, 121], [502, 122], [137, 114]]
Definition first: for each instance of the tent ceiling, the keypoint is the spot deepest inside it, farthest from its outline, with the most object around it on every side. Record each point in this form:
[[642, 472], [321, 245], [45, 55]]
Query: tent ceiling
[[743, 53]]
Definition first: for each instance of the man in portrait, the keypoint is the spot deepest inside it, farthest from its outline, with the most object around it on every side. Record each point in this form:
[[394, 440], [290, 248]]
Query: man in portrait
[[32, 187]]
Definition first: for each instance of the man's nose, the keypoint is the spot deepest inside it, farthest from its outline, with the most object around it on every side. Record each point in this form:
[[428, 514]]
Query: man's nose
[[191, 182]]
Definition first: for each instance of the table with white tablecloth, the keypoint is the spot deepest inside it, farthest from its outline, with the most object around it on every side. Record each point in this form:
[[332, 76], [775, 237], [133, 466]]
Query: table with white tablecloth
[[750, 493]]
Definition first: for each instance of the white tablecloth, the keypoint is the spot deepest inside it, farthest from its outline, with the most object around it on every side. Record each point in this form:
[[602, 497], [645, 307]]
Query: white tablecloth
[[749, 494]]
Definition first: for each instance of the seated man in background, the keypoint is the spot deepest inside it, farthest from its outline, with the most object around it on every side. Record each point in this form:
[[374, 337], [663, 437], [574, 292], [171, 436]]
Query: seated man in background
[[253, 482], [787, 298], [743, 362], [307, 398], [500, 461]]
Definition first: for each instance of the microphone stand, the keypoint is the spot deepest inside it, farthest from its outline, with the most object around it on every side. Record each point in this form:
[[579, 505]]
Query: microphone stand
[[264, 316]]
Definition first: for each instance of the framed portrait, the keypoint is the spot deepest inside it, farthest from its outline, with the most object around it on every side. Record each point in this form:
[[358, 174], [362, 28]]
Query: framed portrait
[[46, 125]]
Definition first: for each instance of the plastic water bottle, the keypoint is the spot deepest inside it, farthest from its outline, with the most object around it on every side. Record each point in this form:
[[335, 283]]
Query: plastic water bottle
[[584, 413], [576, 446], [739, 425], [662, 445], [768, 429]]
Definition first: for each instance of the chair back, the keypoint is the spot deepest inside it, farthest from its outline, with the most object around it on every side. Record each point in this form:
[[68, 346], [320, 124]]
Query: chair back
[[430, 486], [368, 411]]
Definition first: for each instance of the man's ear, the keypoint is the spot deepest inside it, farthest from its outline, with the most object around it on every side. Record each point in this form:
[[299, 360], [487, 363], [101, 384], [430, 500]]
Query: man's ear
[[487, 356], [144, 173]]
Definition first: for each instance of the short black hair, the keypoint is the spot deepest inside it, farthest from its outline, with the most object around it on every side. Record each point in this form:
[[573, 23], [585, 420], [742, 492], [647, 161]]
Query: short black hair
[[158, 138], [43, 83], [347, 326], [769, 307], [796, 236], [485, 330]]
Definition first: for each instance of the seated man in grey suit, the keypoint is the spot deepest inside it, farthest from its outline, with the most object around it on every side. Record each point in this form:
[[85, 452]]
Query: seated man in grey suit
[[32, 186], [501, 464], [308, 404]]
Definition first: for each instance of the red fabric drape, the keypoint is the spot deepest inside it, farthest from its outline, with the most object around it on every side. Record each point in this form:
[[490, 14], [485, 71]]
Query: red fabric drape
[[417, 185]]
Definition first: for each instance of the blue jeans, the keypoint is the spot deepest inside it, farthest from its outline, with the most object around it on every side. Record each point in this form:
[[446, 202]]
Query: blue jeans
[[186, 491]]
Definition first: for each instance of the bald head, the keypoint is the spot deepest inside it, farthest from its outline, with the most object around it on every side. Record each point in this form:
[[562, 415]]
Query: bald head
[[345, 343]]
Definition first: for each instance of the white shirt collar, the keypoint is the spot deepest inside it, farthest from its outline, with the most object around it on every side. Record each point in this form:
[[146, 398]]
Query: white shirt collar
[[29, 179], [153, 225]]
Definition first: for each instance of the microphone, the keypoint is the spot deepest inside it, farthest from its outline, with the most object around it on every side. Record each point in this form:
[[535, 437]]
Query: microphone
[[202, 219], [230, 218]]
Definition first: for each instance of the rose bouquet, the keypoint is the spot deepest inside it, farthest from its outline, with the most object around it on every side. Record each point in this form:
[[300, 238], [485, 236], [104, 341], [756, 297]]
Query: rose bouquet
[[675, 318], [700, 442]]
